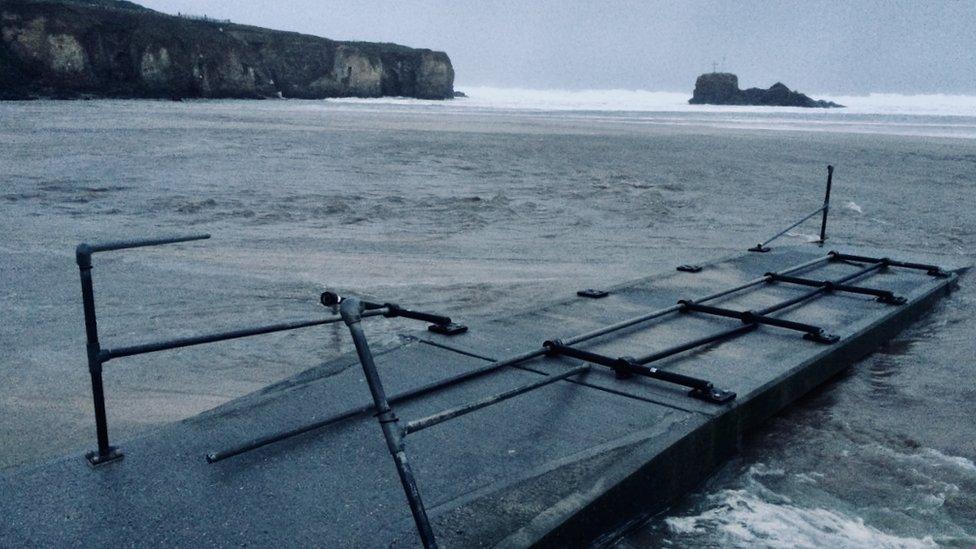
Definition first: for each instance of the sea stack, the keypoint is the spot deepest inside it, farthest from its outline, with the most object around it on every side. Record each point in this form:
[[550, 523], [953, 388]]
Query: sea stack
[[109, 48], [722, 88]]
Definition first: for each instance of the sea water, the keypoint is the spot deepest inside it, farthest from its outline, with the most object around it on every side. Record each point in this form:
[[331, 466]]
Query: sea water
[[476, 207]]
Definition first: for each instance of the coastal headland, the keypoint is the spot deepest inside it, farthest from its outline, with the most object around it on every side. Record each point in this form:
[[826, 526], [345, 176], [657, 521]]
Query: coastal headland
[[69, 49]]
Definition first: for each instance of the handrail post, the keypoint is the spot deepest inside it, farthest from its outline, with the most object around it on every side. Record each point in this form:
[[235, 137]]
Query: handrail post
[[351, 310], [105, 453], [826, 206]]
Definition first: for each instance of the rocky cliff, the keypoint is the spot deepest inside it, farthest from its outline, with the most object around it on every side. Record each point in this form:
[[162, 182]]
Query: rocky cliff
[[108, 48], [722, 88]]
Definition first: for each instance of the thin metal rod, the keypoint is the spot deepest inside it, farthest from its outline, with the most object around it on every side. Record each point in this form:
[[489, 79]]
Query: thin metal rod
[[786, 230], [352, 312], [211, 338], [126, 244], [725, 334], [451, 413], [214, 457], [826, 205], [260, 442]]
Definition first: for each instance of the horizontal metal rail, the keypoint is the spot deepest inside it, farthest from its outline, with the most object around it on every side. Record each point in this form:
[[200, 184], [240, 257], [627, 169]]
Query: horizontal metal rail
[[126, 244], [451, 413], [144, 348], [713, 338], [513, 360], [440, 323]]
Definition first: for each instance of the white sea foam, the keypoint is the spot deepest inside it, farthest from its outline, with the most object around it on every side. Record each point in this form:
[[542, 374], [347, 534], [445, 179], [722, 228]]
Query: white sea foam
[[671, 101], [853, 207], [624, 100], [891, 114], [744, 519]]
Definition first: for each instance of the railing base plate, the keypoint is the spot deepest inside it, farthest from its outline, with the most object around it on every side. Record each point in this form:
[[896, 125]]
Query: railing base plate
[[822, 337], [448, 329], [716, 396], [95, 459], [592, 293]]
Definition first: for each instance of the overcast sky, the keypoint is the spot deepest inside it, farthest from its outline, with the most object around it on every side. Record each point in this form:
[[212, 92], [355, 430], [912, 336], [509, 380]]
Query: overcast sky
[[852, 46]]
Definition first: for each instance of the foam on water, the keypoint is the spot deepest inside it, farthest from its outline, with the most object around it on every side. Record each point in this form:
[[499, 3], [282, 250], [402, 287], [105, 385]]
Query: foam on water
[[745, 519], [936, 115], [623, 100]]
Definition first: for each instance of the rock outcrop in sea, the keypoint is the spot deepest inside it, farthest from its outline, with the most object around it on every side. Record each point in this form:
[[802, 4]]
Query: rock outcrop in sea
[[722, 88], [108, 48]]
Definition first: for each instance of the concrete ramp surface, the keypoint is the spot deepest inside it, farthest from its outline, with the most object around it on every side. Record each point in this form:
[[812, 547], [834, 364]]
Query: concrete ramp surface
[[558, 465]]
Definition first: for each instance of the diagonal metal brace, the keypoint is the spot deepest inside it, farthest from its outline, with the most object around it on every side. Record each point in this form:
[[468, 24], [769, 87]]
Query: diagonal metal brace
[[883, 296], [811, 332]]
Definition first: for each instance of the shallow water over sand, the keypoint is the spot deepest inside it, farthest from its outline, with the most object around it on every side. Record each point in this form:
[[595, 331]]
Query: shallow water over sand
[[474, 212]]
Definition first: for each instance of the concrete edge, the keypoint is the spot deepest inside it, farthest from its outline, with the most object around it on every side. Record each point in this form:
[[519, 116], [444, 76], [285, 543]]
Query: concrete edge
[[643, 489]]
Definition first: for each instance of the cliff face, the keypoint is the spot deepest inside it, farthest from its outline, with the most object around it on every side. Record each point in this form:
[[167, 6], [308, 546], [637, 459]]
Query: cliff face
[[722, 88], [101, 48]]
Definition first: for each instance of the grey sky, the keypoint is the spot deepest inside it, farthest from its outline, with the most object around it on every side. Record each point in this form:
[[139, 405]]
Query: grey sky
[[840, 47]]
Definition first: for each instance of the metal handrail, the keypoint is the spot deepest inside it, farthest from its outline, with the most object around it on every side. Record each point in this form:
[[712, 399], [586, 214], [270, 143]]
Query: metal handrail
[[405, 396], [98, 356]]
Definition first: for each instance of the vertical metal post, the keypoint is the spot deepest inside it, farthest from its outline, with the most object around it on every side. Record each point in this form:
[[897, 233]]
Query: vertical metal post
[[105, 452], [351, 310], [826, 206]]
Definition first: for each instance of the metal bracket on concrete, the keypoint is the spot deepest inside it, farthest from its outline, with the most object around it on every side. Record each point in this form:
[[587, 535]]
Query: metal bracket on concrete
[[592, 293]]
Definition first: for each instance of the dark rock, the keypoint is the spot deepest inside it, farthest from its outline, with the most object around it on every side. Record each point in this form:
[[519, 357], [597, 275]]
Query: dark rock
[[105, 48], [460, 94], [722, 88]]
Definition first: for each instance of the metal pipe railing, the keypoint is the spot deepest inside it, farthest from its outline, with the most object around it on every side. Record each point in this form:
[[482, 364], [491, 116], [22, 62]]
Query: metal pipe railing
[[97, 356], [223, 336], [83, 257], [513, 360]]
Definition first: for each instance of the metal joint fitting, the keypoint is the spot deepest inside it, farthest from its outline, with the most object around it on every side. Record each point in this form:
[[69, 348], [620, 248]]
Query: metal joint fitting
[[622, 369], [351, 310], [551, 344], [83, 255]]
